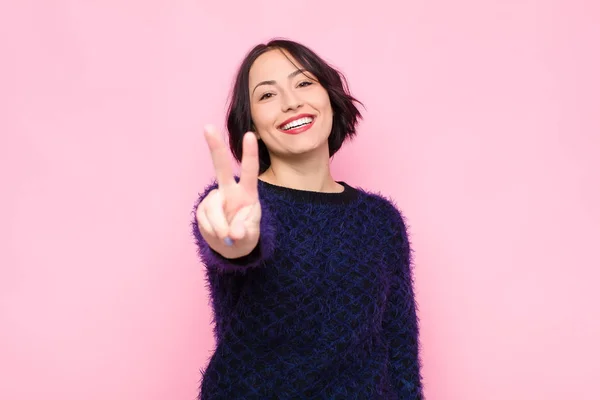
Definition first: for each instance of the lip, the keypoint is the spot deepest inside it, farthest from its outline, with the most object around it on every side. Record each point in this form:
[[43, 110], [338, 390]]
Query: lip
[[300, 129], [295, 117]]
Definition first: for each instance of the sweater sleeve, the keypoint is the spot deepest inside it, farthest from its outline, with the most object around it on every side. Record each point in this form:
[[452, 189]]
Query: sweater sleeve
[[400, 322], [213, 260]]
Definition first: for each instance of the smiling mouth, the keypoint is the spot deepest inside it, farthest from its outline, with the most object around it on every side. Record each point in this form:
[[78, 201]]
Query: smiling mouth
[[300, 122]]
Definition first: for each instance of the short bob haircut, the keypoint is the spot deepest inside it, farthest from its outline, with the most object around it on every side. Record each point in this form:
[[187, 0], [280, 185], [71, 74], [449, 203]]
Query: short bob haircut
[[345, 113]]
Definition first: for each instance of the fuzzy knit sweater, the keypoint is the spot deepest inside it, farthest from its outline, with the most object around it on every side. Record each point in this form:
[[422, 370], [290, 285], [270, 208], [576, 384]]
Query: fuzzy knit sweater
[[323, 308]]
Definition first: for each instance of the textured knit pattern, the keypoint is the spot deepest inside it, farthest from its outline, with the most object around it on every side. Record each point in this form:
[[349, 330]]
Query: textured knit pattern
[[323, 308]]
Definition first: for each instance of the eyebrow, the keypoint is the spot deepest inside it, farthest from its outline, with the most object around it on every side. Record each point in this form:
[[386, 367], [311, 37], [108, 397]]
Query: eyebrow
[[290, 76]]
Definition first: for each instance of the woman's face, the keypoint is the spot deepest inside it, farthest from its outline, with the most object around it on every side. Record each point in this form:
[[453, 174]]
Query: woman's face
[[291, 111]]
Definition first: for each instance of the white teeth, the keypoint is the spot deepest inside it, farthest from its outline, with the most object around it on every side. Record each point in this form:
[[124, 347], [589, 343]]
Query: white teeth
[[297, 123]]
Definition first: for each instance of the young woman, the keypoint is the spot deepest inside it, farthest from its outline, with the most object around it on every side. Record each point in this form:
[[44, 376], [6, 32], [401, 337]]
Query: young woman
[[310, 278]]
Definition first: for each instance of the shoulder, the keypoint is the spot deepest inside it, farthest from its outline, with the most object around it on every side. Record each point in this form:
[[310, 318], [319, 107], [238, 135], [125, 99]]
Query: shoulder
[[384, 204], [385, 210], [392, 227]]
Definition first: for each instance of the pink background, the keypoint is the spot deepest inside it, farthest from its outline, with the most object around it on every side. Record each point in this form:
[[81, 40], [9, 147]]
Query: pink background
[[482, 122]]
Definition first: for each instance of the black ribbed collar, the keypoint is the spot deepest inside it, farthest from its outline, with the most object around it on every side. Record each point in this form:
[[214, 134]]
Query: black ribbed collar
[[306, 196]]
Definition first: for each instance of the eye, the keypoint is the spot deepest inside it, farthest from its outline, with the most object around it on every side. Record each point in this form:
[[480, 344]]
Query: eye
[[266, 96], [305, 83]]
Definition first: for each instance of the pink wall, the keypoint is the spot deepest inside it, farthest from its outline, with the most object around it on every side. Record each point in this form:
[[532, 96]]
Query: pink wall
[[482, 122]]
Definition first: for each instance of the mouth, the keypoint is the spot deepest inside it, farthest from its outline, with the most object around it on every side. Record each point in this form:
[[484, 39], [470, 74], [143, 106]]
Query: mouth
[[297, 124]]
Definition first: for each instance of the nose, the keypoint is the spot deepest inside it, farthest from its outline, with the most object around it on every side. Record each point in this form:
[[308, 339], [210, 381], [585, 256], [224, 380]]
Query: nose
[[291, 101]]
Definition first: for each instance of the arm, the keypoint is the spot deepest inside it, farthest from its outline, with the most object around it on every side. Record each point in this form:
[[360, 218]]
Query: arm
[[400, 322], [263, 251]]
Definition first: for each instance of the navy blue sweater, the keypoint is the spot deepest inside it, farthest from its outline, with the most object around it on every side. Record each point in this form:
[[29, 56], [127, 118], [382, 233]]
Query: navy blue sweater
[[323, 308]]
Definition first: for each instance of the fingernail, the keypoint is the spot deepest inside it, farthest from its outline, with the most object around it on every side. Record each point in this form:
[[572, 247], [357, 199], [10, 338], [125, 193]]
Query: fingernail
[[228, 241]]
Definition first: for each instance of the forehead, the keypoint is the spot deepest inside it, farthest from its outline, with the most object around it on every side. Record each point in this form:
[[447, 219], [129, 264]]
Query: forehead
[[274, 65]]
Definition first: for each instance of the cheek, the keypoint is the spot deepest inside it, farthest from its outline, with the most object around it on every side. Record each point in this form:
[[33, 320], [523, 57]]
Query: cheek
[[263, 116], [325, 108], [324, 103]]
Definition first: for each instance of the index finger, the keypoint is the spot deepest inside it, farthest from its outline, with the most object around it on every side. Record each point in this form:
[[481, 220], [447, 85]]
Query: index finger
[[220, 157]]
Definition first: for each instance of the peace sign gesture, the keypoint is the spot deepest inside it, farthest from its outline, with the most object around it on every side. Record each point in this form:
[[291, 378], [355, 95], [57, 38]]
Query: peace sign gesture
[[229, 216]]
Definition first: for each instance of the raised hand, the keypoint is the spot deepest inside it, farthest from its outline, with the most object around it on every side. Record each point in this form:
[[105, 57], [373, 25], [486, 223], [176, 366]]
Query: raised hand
[[229, 216]]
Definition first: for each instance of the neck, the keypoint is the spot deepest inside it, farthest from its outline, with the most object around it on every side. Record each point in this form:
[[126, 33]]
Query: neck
[[312, 175]]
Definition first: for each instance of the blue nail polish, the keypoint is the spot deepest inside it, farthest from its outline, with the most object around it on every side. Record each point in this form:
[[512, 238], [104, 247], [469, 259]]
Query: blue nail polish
[[228, 241]]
